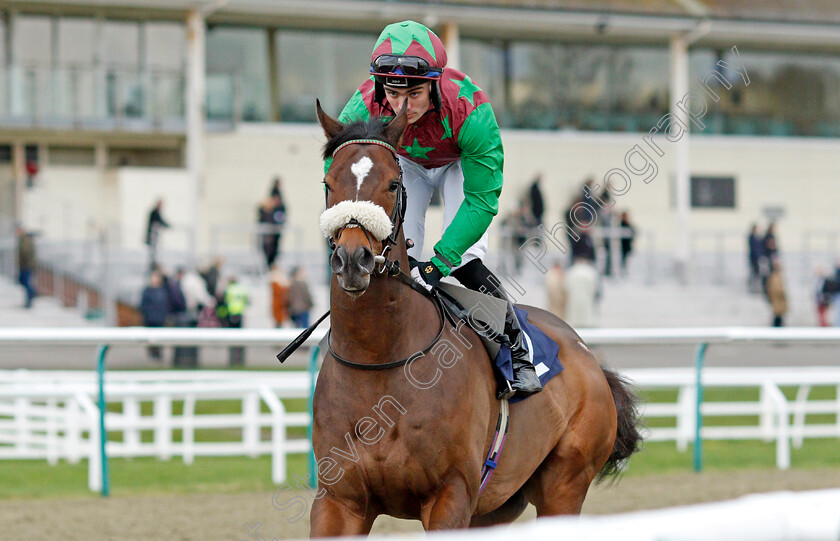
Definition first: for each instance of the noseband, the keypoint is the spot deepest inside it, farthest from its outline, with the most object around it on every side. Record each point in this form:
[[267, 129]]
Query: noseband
[[397, 214]]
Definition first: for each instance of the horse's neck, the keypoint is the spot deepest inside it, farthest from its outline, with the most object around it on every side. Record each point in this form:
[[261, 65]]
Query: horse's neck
[[388, 320]]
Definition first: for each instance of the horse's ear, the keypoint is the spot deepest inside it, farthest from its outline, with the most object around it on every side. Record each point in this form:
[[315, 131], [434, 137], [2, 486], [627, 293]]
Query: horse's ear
[[331, 126], [397, 126]]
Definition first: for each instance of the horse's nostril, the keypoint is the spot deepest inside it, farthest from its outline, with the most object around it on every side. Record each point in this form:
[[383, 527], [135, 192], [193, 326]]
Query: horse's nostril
[[364, 258], [338, 260]]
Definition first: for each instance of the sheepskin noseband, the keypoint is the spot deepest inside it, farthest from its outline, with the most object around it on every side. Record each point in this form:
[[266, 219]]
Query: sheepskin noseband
[[370, 215]]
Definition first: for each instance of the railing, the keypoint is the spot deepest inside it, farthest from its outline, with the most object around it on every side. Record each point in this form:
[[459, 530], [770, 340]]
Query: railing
[[46, 414], [48, 399]]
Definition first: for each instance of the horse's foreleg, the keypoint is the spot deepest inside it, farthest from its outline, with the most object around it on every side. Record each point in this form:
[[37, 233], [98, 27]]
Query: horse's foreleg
[[449, 507], [331, 518]]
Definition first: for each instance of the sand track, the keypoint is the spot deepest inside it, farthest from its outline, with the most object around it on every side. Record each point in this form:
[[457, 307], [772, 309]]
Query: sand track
[[225, 516]]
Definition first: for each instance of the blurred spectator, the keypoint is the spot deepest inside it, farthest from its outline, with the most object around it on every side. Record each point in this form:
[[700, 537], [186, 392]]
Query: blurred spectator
[[771, 248], [755, 245], [156, 222], [581, 293], [517, 226], [835, 295], [154, 306], [769, 253], [211, 278], [272, 217], [605, 219], [279, 295], [628, 235], [582, 245], [300, 299], [26, 264], [196, 298], [236, 300], [824, 287], [776, 293], [276, 188], [537, 203], [196, 295], [555, 286], [177, 303]]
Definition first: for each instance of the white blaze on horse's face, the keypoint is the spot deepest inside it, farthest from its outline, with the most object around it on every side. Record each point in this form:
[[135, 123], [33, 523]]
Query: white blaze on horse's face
[[361, 169]]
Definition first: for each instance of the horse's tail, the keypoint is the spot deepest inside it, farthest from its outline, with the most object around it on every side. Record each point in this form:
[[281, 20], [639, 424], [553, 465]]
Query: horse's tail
[[628, 440]]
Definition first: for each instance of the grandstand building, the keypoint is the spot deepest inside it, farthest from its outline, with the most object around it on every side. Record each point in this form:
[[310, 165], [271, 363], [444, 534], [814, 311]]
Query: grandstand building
[[108, 105]]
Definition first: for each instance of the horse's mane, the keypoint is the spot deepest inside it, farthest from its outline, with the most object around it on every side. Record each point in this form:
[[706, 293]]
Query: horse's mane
[[359, 129]]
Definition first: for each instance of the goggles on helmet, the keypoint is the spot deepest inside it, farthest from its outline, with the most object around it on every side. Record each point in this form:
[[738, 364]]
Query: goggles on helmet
[[406, 66]]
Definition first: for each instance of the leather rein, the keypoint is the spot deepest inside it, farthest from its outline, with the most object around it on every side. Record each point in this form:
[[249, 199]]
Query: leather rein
[[386, 266]]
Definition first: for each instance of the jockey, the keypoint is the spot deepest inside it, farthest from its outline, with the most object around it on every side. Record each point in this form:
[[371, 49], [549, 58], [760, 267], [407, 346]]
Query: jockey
[[453, 143]]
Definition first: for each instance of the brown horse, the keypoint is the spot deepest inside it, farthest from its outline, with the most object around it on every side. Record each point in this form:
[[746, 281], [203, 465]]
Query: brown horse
[[410, 440]]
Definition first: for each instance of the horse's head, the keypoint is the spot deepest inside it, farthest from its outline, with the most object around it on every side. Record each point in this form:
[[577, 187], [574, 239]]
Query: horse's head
[[365, 196]]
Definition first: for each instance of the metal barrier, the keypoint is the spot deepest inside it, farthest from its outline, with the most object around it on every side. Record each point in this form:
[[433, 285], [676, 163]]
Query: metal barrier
[[691, 382]]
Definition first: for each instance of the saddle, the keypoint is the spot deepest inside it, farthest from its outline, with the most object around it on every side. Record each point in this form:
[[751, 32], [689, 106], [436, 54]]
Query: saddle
[[482, 313]]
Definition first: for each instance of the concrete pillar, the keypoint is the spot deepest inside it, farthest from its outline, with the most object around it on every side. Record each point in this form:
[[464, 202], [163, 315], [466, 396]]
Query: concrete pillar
[[100, 77], [273, 77], [452, 42], [681, 171], [195, 117], [145, 79], [19, 171]]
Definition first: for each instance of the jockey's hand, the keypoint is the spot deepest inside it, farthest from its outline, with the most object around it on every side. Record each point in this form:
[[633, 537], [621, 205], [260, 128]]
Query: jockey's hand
[[427, 275]]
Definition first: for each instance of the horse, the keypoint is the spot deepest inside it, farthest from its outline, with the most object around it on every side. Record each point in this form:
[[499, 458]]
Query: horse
[[404, 410]]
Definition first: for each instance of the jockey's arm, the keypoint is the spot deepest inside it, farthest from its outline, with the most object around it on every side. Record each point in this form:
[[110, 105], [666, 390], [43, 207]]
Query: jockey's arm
[[482, 161]]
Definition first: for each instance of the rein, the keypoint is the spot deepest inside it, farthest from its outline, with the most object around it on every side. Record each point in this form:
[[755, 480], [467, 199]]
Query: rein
[[401, 362], [388, 268]]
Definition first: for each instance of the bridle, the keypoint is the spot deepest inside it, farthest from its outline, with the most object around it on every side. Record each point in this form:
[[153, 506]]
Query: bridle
[[386, 266]]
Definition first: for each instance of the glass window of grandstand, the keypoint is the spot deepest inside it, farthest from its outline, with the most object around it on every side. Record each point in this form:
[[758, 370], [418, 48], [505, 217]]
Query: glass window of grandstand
[[788, 94], [4, 75], [342, 60], [486, 64], [585, 87], [30, 74], [165, 51], [84, 70], [237, 74]]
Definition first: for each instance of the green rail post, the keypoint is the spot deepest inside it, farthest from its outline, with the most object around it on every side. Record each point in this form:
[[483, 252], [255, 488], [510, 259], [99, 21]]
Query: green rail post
[[313, 370], [103, 436], [699, 355]]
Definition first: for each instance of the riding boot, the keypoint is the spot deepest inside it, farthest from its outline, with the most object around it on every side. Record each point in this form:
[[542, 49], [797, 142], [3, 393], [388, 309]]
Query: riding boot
[[478, 277], [525, 379]]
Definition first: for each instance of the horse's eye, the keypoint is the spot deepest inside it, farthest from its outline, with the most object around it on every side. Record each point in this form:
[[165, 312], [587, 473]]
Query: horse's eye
[[395, 184]]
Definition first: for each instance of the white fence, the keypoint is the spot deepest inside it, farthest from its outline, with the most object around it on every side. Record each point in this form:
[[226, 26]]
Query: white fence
[[53, 415], [778, 418]]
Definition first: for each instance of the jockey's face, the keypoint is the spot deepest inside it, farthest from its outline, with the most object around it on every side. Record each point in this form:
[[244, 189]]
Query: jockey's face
[[419, 100]]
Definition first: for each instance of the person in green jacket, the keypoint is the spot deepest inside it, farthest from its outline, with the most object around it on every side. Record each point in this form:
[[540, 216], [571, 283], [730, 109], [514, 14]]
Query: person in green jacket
[[452, 143]]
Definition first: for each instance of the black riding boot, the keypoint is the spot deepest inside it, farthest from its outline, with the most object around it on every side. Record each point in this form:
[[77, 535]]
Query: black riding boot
[[525, 379], [474, 275]]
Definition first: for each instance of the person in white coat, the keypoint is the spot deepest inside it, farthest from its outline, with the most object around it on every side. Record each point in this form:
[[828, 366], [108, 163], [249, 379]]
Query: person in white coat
[[581, 293]]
